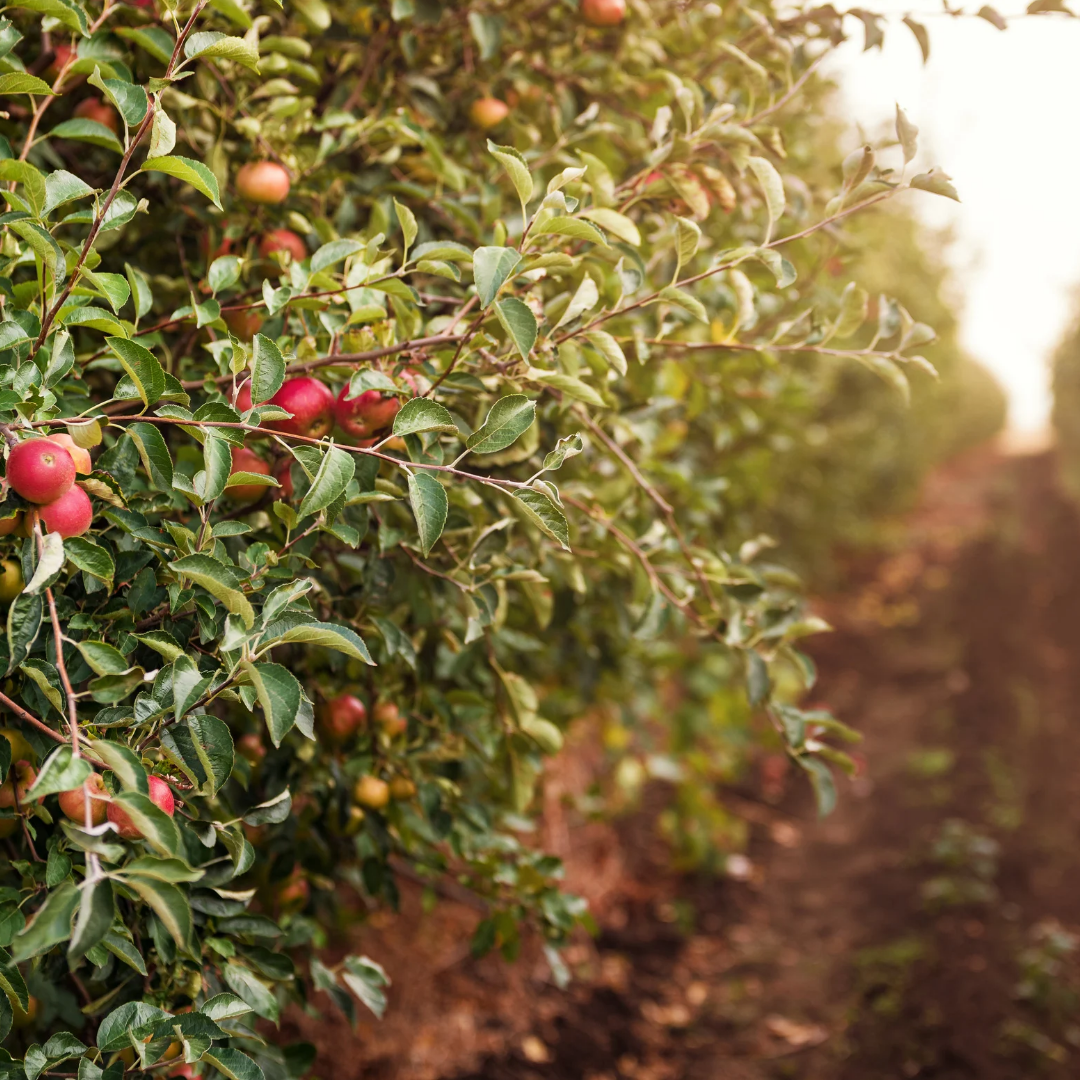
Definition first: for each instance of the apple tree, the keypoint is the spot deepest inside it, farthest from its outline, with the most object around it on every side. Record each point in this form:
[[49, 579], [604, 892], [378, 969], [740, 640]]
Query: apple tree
[[372, 380]]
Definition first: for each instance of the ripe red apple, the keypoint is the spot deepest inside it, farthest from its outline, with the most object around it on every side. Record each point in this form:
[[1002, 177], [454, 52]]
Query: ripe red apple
[[10, 525], [61, 55], [283, 240], [160, 795], [11, 580], [294, 892], [283, 475], [311, 402], [371, 411], [40, 470], [263, 182], [19, 781], [488, 112], [70, 515], [603, 12], [73, 802], [250, 746], [387, 716], [80, 455], [341, 717], [372, 792], [243, 324], [245, 460], [96, 109]]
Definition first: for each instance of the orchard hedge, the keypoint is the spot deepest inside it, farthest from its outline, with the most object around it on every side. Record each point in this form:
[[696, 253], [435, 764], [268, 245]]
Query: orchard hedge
[[559, 286]]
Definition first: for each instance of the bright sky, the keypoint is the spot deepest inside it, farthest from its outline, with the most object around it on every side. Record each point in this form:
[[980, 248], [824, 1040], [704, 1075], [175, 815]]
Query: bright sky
[[998, 112]]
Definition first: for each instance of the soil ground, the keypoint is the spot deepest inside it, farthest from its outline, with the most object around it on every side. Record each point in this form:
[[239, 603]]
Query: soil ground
[[925, 929]]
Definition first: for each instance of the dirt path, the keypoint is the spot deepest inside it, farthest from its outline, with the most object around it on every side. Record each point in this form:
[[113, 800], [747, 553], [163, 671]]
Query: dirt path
[[922, 931]]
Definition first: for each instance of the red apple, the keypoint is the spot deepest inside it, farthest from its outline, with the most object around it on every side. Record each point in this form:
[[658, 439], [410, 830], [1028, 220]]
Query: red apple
[[263, 182], [603, 12], [61, 55], [80, 455], [283, 475], [387, 716], [40, 470], [250, 746], [160, 795], [311, 402], [243, 324], [96, 109], [245, 460], [283, 240], [19, 782], [294, 892], [73, 802], [70, 515], [370, 412], [488, 112], [341, 717]]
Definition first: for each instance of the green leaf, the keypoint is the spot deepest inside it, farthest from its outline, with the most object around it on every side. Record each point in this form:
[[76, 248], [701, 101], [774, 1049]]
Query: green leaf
[[342, 639], [430, 507], [907, 134], [220, 581], [267, 370], [129, 99], [224, 273], [114, 287], [169, 904], [95, 917], [140, 290], [233, 1064], [22, 172], [608, 348], [225, 1007], [63, 187], [163, 643], [43, 245], [49, 565], [244, 983], [64, 11], [125, 951], [158, 828], [334, 252], [687, 240], [687, 301], [422, 414], [584, 299], [567, 447], [134, 1017], [492, 267], [547, 517], [103, 658], [619, 225], [567, 384], [162, 869], [141, 366], [211, 43], [62, 771], [519, 322], [335, 472], [156, 41], [190, 172], [574, 228], [124, 764], [772, 187], [508, 419], [18, 82], [154, 453], [517, 168], [47, 679], [50, 925], [368, 981], [279, 694], [821, 779], [780, 268], [407, 220], [936, 182], [23, 624], [88, 131], [189, 684]]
